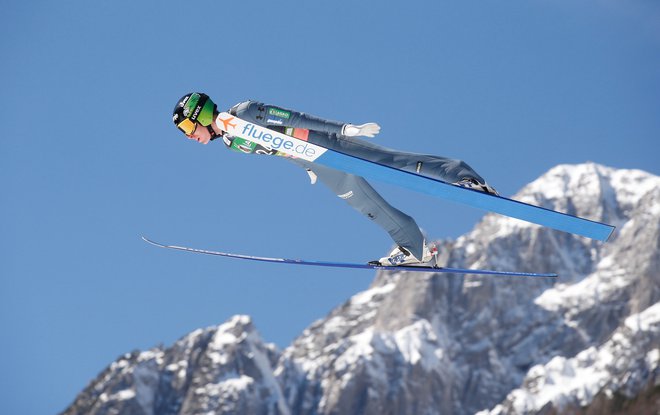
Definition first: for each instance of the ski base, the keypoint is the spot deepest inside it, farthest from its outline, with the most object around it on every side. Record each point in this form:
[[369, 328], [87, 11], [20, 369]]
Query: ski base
[[409, 268]]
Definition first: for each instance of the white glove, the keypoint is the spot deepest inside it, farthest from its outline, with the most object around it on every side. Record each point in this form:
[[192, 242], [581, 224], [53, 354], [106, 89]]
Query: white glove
[[312, 176], [369, 129]]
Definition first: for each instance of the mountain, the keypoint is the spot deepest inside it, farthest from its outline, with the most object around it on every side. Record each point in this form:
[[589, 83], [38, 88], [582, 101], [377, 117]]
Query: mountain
[[223, 369], [588, 342]]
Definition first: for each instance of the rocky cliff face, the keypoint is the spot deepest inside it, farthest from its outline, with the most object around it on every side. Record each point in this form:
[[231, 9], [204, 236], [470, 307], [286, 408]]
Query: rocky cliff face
[[448, 344]]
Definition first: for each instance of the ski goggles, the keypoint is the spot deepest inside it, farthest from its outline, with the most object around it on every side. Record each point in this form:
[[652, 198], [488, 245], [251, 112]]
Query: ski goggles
[[187, 126]]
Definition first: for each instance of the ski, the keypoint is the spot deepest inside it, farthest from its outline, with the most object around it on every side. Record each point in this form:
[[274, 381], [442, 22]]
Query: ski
[[332, 264], [299, 148]]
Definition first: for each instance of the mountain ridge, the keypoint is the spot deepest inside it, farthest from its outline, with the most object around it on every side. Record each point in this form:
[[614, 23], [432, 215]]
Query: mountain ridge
[[444, 344]]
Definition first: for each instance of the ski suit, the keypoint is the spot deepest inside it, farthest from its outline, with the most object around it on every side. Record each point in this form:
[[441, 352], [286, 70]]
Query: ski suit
[[355, 190]]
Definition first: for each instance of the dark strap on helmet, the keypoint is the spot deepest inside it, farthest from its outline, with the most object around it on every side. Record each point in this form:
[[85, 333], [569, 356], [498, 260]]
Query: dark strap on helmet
[[214, 135]]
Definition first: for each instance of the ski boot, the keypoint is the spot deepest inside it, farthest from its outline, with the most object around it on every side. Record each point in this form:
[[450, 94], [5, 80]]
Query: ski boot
[[401, 256], [470, 183]]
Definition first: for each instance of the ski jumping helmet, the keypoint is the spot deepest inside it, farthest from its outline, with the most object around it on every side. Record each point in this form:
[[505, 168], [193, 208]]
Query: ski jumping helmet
[[194, 108]]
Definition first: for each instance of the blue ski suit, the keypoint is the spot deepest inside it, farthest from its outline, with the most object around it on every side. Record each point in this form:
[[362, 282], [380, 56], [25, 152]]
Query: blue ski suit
[[355, 190]]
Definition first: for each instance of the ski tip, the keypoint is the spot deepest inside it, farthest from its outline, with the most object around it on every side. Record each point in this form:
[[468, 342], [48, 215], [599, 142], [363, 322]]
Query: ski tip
[[149, 241]]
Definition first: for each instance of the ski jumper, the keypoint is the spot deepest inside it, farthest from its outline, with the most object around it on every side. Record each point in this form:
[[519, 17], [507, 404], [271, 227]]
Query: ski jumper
[[355, 190]]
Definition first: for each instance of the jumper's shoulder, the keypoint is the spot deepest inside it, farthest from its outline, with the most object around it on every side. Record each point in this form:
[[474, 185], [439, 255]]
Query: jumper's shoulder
[[241, 108]]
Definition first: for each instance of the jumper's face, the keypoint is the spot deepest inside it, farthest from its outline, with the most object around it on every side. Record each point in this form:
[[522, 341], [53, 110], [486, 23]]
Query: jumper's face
[[200, 134]]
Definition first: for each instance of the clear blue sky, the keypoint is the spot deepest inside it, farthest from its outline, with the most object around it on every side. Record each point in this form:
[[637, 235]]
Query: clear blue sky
[[89, 158]]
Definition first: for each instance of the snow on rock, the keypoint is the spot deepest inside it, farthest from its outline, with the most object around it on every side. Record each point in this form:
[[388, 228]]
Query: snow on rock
[[366, 296], [614, 366]]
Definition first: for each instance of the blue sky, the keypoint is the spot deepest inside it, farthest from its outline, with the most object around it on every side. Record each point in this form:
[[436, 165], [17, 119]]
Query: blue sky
[[90, 161]]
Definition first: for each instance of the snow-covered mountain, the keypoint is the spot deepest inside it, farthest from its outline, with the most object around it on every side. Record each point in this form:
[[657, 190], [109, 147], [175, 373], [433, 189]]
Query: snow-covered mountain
[[224, 369], [588, 342]]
